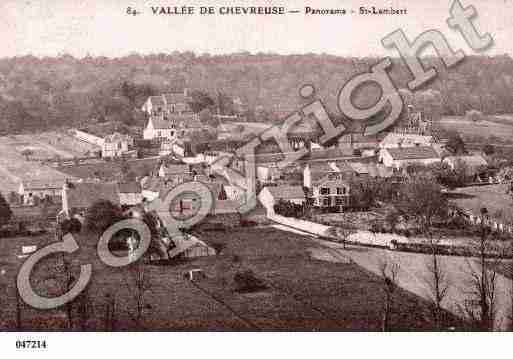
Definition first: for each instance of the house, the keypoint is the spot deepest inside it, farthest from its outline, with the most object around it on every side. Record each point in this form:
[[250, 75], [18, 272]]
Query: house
[[30, 189], [112, 145], [395, 140], [116, 145], [77, 197], [168, 103], [170, 127], [130, 193], [402, 157], [268, 173], [151, 187], [330, 190], [158, 128], [270, 195]]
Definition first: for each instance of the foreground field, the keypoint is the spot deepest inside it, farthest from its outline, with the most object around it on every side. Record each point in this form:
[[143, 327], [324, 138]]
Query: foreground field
[[302, 293]]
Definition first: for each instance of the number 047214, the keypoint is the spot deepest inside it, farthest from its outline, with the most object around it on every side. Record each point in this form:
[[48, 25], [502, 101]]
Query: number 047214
[[30, 344]]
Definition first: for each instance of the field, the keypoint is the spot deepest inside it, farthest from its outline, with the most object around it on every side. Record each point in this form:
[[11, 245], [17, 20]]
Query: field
[[14, 167], [302, 294], [493, 197], [500, 130]]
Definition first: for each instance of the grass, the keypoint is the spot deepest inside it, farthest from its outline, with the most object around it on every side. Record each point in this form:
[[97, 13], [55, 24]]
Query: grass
[[302, 293], [493, 197], [471, 130]]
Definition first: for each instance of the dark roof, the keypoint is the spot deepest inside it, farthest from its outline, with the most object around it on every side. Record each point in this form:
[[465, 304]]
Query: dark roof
[[287, 192], [129, 187], [83, 194], [412, 153]]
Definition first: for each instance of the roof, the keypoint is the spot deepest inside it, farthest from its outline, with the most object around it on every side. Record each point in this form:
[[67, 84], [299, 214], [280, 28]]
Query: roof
[[43, 184], [129, 187], [287, 192], [116, 137], [225, 206], [84, 194], [161, 124], [412, 153], [171, 169], [406, 139]]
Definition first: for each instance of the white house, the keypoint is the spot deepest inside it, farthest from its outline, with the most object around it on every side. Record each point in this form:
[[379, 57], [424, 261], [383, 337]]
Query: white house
[[402, 157], [158, 128], [330, 190], [116, 145]]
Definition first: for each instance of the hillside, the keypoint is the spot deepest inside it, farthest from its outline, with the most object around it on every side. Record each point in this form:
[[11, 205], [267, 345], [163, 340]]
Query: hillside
[[37, 93]]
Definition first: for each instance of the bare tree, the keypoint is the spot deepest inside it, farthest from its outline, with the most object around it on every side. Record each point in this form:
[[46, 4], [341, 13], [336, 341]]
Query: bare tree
[[438, 283], [110, 313], [139, 286], [480, 309], [389, 271]]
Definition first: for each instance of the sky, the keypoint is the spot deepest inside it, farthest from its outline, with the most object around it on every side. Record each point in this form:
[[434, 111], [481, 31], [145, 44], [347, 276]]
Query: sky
[[102, 27]]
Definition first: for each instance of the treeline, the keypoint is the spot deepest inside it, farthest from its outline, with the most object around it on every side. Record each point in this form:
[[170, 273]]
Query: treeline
[[41, 93]]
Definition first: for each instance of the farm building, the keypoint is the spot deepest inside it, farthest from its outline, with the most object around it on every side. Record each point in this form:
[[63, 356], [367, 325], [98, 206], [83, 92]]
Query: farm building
[[30, 189], [130, 193], [401, 157]]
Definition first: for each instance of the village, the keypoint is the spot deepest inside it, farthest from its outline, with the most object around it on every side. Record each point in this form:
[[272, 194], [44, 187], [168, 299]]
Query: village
[[412, 189]]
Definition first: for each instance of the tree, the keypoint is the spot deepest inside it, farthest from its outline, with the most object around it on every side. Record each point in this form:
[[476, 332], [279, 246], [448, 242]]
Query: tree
[[389, 272], [101, 215], [421, 198], [483, 282], [455, 143], [71, 225], [5, 211], [27, 153], [199, 100], [139, 284], [438, 283], [14, 198], [488, 149]]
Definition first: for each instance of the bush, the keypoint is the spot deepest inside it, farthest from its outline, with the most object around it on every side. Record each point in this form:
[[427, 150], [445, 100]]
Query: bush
[[246, 281]]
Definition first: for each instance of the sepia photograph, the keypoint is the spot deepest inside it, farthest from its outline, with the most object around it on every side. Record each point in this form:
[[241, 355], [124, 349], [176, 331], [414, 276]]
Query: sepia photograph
[[256, 167]]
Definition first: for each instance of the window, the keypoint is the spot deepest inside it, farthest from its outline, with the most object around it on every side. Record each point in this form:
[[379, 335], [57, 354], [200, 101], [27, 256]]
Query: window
[[326, 202], [340, 201], [325, 191], [341, 190]]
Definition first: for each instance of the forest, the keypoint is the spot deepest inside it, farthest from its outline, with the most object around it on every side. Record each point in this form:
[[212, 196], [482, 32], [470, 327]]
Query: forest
[[60, 92]]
